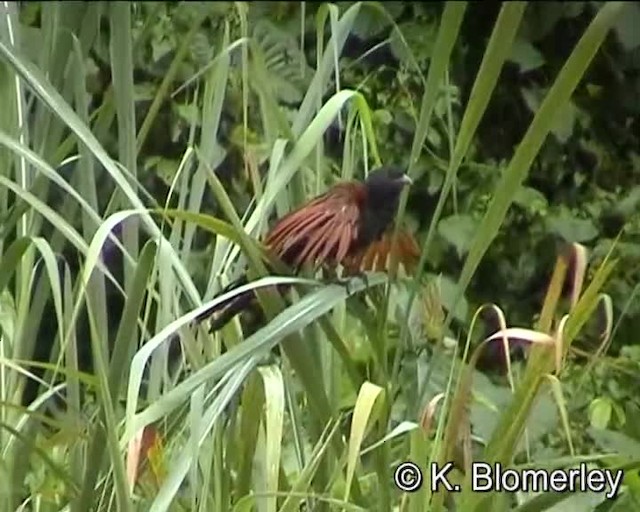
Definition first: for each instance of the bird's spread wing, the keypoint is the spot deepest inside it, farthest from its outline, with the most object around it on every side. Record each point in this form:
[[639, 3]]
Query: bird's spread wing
[[322, 231], [375, 257]]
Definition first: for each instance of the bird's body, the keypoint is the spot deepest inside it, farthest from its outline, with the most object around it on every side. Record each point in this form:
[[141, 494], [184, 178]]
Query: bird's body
[[339, 227]]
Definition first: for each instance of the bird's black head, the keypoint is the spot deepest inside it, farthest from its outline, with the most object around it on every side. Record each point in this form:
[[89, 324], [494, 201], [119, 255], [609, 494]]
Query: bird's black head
[[385, 184], [383, 188]]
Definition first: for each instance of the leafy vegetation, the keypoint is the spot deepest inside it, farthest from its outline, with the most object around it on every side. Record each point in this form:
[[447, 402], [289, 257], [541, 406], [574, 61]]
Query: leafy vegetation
[[146, 146]]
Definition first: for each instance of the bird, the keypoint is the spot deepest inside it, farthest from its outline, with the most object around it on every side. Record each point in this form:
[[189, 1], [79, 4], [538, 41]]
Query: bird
[[347, 225]]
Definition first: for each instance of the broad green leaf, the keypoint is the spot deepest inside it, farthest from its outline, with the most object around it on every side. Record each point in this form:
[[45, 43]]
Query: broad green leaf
[[600, 412]]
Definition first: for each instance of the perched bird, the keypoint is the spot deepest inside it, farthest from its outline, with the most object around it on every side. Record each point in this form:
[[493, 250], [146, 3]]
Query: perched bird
[[347, 225]]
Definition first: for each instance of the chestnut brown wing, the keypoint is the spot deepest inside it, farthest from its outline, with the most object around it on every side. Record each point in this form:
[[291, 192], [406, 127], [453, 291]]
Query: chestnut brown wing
[[375, 257], [321, 232]]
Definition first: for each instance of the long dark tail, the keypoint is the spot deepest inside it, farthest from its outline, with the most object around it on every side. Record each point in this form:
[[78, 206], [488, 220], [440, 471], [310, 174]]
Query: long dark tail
[[227, 310]]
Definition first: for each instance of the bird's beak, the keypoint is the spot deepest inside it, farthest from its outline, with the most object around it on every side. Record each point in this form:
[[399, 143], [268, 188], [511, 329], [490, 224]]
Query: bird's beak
[[406, 180]]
